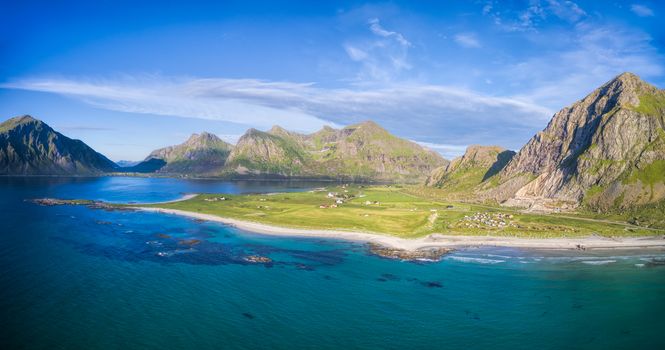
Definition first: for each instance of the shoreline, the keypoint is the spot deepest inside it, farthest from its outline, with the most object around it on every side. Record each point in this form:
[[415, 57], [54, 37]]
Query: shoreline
[[432, 241]]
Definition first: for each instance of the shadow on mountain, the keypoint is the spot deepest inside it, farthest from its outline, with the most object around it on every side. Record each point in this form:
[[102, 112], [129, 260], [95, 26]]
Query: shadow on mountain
[[502, 160], [148, 166]]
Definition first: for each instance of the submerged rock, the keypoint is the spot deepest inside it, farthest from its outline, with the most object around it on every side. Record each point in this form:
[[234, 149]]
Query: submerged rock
[[257, 259], [655, 262], [189, 242], [432, 254]]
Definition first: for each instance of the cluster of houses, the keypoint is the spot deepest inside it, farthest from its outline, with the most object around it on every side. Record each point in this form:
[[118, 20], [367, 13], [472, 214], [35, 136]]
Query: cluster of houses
[[338, 198], [480, 220], [215, 199]]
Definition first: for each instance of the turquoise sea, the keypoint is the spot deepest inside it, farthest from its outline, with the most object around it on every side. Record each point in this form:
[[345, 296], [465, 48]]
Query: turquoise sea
[[77, 278]]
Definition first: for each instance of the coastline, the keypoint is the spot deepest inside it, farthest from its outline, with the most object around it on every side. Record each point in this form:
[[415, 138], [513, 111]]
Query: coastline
[[432, 241]]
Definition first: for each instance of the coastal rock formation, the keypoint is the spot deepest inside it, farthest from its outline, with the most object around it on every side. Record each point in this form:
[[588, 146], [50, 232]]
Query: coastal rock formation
[[257, 259], [30, 147], [423, 254], [604, 151], [202, 153], [464, 173]]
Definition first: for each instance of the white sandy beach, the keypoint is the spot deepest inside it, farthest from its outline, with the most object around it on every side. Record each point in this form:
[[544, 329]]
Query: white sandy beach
[[434, 240]]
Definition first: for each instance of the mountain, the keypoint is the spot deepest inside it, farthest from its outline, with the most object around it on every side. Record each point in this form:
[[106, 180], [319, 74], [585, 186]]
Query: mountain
[[605, 151], [464, 173], [30, 147], [202, 153], [266, 153], [361, 151]]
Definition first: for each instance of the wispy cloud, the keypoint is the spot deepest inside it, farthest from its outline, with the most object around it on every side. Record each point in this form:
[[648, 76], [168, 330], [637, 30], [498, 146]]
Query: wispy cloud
[[594, 53], [530, 17], [468, 40], [376, 28], [440, 110], [384, 56], [641, 10]]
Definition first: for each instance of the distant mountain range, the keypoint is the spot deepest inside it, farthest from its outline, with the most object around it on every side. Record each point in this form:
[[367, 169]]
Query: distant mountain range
[[360, 152], [606, 151]]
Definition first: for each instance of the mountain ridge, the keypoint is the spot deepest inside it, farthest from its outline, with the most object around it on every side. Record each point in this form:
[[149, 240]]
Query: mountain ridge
[[604, 151], [29, 146]]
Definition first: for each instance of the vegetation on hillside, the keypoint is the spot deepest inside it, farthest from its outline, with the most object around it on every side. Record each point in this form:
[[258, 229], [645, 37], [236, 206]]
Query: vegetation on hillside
[[395, 210]]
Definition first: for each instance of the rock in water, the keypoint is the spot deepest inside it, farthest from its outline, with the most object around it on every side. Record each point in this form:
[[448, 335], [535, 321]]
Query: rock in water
[[403, 254]]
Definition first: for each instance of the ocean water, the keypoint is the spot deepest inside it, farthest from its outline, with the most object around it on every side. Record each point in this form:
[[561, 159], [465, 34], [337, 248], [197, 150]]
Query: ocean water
[[77, 278]]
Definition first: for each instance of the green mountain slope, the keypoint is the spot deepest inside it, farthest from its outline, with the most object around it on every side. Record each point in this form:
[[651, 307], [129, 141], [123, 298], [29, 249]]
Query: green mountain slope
[[465, 173], [30, 147], [201, 154], [362, 151]]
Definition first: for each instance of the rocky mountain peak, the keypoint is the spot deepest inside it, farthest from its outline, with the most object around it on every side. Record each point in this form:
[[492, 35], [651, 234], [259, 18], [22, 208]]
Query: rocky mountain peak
[[598, 143], [481, 155], [19, 121], [277, 130], [29, 146], [202, 138]]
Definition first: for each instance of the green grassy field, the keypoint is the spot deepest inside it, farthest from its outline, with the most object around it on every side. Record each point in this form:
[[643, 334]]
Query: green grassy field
[[399, 211]]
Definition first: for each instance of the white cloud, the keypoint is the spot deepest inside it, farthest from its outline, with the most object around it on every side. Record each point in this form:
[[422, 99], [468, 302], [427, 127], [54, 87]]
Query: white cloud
[[468, 40], [537, 12], [383, 57], [641, 10], [178, 97], [355, 53], [435, 112], [566, 10], [594, 55], [376, 28]]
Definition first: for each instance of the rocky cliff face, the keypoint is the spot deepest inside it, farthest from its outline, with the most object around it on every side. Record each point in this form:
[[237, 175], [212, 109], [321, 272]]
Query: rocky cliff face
[[30, 147], [478, 164], [362, 151], [606, 150], [202, 153]]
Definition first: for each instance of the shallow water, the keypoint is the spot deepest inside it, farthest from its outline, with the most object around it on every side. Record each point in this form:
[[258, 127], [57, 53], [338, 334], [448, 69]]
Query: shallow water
[[73, 277]]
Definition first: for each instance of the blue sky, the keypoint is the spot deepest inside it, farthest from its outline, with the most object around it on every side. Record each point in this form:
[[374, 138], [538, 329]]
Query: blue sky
[[127, 78]]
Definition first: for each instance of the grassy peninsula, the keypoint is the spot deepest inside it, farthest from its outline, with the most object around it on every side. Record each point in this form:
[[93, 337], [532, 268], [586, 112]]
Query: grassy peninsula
[[397, 211]]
